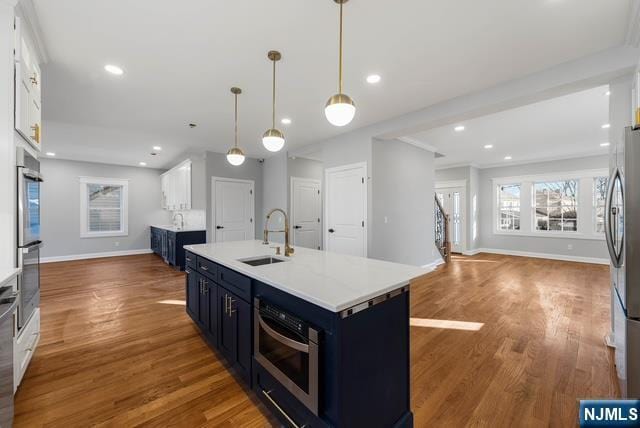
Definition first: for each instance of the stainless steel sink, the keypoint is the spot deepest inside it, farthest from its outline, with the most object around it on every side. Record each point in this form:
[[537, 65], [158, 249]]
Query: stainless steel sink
[[264, 260]]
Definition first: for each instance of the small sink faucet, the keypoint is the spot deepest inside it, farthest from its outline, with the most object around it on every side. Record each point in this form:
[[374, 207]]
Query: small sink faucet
[[288, 249], [181, 220]]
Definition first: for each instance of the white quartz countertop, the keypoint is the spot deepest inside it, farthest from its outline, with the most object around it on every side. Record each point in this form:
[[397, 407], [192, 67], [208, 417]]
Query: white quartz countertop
[[332, 281], [173, 228], [7, 274]]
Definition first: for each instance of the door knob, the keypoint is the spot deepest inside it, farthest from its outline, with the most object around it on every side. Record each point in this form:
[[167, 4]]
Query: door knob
[[297, 227], [331, 230], [219, 227]]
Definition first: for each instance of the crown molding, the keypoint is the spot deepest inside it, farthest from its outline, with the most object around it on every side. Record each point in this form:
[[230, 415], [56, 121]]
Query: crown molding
[[30, 17], [633, 25]]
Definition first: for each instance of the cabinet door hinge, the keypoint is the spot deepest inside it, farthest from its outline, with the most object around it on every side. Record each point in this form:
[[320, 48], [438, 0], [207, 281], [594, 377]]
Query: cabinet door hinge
[[251, 192], [362, 180], [362, 223]]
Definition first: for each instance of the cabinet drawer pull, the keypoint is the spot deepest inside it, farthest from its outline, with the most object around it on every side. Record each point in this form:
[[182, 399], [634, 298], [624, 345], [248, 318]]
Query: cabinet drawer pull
[[188, 259], [282, 412], [204, 268]]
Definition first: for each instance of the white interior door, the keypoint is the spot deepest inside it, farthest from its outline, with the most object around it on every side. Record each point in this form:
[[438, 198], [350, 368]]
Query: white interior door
[[233, 208], [346, 210], [452, 200], [306, 209]]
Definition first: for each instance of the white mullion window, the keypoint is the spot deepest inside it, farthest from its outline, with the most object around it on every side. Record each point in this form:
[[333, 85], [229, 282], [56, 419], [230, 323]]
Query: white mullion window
[[600, 185], [555, 206], [509, 196], [103, 207]]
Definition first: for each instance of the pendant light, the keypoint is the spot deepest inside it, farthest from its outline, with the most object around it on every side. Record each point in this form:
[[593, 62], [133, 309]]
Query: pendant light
[[273, 139], [235, 156], [340, 108]]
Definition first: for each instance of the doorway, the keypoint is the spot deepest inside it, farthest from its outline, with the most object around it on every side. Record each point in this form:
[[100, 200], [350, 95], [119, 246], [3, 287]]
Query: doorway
[[346, 209], [306, 212], [232, 209], [453, 203]]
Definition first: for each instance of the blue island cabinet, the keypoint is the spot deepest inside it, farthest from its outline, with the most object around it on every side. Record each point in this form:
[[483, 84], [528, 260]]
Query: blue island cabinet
[[223, 317], [169, 244], [363, 365]]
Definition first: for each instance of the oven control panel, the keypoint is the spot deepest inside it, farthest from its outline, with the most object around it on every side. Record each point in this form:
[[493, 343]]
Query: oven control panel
[[284, 318]]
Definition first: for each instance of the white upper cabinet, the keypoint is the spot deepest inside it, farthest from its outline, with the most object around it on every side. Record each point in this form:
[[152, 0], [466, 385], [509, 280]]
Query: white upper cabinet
[[28, 101], [176, 187]]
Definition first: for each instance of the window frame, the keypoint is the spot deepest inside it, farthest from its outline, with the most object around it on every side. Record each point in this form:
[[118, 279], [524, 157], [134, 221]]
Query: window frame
[[84, 207], [595, 206], [498, 208], [586, 225], [534, 224]]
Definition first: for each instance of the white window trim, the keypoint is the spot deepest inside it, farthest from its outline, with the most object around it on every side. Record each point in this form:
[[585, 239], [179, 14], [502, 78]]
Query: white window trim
[[586, 229], [124, 207]]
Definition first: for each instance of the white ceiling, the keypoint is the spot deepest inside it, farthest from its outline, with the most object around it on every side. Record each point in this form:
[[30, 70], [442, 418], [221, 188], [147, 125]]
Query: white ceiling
[[562, 127], [181, 58]]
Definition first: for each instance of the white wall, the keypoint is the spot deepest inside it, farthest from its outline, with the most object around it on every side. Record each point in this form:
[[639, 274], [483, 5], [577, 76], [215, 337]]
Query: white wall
[[403, 198], [582, 248], [60, 208]]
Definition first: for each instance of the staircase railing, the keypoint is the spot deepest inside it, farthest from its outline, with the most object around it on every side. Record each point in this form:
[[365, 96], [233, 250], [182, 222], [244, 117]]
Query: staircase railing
[[441, 222]]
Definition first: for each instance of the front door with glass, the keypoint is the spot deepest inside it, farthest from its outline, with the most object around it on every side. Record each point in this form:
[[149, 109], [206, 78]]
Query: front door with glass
[[452, 200]]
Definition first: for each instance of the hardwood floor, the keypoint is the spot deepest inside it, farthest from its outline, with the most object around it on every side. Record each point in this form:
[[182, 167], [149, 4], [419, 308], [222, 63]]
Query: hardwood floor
[[117, 348]]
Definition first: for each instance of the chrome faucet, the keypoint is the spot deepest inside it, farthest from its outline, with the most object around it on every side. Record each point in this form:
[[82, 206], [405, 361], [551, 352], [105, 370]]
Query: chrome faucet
[[288, 249], [181, 220]]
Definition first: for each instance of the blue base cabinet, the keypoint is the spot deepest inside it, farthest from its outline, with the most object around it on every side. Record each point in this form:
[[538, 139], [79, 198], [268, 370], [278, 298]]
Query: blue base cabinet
[[170, 245], [364, 359], [224, 317]]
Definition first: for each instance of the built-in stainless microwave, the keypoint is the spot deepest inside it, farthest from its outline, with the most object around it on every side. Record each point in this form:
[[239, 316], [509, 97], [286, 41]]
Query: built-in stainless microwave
[[287, 348]]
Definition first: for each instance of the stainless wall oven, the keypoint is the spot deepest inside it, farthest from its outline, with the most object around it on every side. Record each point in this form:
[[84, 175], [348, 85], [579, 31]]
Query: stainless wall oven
[[29, 242], [287, 348]]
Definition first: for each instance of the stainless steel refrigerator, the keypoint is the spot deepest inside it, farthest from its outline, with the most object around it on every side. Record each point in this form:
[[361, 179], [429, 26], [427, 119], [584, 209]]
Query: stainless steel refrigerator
[[622, 231]]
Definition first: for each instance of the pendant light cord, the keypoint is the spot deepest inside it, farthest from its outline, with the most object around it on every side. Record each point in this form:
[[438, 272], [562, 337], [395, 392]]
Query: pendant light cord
[[236, 118], [273, 112], [340, 60]]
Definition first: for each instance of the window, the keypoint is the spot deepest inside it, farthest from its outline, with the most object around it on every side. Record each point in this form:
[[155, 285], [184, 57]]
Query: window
[[556, 206], [509, 207], [600, 185], [103, 207]]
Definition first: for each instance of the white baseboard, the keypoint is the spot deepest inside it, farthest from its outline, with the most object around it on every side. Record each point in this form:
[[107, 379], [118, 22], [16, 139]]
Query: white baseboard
[[472, 252], [94, 255], [564, 257], [433, 265]]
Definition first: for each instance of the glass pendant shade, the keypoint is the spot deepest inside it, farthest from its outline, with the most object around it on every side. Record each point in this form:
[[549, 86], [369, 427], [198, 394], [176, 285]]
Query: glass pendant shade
[[235, 156], [340, 110], [273, 140]]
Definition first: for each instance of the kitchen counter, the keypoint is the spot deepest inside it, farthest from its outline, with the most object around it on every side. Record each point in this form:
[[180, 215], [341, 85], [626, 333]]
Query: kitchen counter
[[332, 281], [173, 228]]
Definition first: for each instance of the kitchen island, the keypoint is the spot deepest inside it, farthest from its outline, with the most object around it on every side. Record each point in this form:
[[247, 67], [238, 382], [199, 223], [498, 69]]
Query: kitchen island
[[322, 338]]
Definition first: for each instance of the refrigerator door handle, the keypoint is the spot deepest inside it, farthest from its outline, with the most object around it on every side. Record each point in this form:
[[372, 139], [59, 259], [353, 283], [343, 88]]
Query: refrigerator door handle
[[608, 223]]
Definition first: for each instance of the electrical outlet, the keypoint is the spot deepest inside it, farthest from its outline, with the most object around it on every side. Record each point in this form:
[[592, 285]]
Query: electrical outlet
[[386, 220], [117, 243], [570, 247]]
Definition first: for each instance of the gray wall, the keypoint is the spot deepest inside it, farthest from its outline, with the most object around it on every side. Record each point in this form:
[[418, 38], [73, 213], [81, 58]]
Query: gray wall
[[251, 169], [403, 181], [581, 247], [276, 192], [305, 168], [61, 207]]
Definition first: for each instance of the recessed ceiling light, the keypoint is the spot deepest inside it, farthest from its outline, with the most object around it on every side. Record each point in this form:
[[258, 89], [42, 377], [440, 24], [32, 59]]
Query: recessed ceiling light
[[606, 94], [286, 121], [459, 128], [488, 146], [157, 148], [50, 154], [373, 78], [604, 144], [114, 69], [606, 126], [142, 163], [508, 158]]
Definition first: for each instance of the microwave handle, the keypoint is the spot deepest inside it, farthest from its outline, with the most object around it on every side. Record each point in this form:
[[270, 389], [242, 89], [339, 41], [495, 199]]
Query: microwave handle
[[298, 346]]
